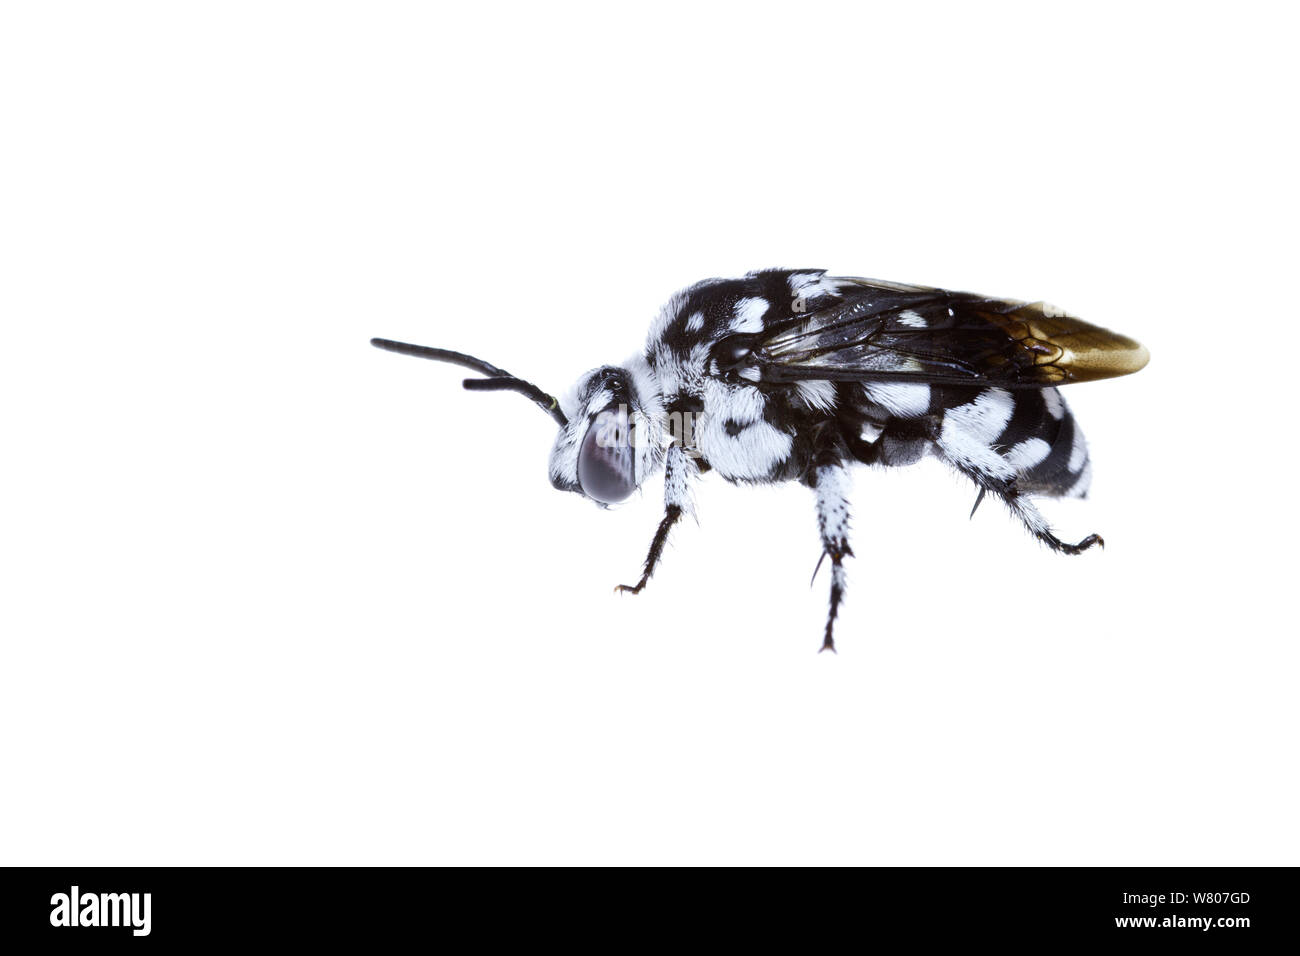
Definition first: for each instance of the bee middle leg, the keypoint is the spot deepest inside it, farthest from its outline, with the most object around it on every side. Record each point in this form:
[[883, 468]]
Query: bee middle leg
[[829, 478]]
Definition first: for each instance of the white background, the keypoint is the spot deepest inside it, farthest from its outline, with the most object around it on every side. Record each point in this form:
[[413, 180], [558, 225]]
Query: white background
[[273, 596]]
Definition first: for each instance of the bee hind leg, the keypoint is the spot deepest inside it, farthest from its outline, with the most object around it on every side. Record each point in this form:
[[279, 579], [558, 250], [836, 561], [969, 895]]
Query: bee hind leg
[[1023, 509]]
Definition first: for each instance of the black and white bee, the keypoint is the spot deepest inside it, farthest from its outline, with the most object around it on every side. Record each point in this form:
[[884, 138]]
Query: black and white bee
[[794, 375]]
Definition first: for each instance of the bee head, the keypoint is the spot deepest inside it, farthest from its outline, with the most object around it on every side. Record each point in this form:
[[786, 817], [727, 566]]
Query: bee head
[[613, 437], [610, 428]]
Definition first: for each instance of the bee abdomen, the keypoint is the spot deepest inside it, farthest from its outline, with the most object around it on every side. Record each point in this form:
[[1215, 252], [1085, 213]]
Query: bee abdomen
[[1024, 436], [1062, 468]]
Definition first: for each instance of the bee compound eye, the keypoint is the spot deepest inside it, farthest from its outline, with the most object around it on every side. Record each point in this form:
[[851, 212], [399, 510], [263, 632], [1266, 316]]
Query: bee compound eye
[[606, 462]]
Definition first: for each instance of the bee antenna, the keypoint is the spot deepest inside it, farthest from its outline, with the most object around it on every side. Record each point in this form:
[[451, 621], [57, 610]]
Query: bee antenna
[[498, 380], [508, 383]]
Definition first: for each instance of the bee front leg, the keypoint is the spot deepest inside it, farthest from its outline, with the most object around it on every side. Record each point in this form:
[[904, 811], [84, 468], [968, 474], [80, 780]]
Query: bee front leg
[[831, 482], [679, 470]]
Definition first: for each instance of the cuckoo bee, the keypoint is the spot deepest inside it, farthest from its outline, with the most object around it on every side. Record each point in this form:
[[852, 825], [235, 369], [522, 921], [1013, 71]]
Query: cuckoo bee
[[794, 375]]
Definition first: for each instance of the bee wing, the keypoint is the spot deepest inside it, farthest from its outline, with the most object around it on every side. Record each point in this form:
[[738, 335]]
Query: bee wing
[[881, 331]]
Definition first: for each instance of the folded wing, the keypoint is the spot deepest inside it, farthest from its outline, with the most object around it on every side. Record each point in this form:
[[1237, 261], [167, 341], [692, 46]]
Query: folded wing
[[881, 331]]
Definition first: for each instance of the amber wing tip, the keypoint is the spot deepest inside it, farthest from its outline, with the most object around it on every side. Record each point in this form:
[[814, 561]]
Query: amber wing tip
[[1141, 356]]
